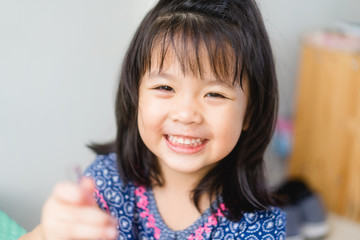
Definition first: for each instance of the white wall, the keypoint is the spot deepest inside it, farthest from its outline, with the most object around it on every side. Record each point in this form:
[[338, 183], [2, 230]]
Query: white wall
[[286, 21], [59, 63]]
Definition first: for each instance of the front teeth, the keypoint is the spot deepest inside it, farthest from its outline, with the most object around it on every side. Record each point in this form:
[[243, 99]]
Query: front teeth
[[191, 142]]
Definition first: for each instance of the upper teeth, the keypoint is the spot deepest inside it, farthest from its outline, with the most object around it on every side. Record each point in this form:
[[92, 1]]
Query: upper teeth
[[184, 140]]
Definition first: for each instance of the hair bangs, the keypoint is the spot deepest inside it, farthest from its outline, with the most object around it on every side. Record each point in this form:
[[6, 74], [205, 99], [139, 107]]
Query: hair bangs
[[198, 43]]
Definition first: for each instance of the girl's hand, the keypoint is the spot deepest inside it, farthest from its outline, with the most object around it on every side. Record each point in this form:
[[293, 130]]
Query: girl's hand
[[72, 213]]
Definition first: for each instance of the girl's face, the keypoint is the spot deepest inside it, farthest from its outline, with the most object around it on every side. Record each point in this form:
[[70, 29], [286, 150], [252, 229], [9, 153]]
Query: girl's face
[[189, 123]]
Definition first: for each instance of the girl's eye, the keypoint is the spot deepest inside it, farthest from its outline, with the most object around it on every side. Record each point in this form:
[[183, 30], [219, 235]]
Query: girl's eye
[[215, 95], [165, 88]]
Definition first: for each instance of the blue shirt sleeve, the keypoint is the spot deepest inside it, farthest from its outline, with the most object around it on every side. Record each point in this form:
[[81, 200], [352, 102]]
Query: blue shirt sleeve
[[105, 175], [269, 225]]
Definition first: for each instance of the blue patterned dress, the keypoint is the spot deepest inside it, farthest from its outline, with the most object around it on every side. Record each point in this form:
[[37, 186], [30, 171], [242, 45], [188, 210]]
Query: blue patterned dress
[[138, 217]]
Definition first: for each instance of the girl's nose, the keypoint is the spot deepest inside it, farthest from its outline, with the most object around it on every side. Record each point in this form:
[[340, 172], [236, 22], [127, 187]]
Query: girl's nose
[[187, 111]]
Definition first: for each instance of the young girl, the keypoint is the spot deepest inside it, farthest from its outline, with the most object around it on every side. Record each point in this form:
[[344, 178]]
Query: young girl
[[195, 110]]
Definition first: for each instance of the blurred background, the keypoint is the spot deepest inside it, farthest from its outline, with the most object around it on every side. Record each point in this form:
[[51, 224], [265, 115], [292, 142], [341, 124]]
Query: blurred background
[[59, 64]]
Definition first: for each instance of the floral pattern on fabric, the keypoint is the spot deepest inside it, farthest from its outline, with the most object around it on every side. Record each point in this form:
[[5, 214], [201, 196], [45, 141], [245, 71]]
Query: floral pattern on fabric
[[138, 217]]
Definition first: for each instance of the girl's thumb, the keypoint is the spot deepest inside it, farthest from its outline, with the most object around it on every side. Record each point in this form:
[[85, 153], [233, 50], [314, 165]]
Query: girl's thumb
[[87, 186]]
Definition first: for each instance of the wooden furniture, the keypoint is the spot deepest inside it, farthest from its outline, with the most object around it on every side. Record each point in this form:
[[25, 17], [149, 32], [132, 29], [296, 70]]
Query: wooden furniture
[[327, 124]]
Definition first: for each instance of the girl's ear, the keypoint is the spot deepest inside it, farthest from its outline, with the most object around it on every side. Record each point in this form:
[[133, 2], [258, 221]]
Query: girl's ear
[[245, 124]]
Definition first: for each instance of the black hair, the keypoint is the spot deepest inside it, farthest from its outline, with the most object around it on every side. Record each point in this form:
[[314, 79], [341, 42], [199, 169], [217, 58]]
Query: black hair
[[234, 37]]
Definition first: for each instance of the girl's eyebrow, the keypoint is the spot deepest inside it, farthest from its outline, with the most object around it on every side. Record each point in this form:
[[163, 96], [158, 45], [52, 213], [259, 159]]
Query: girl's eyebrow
[[209, 82], [169, 76], [225, 84]]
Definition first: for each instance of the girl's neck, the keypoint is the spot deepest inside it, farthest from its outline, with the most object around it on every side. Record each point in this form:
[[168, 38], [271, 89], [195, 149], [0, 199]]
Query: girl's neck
[[174, 199], [180, 185]]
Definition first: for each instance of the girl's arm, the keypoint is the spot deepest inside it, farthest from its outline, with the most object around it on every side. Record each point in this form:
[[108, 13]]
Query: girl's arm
[[72, 213]]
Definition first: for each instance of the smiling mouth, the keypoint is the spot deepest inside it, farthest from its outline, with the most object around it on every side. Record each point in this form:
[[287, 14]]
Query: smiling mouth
[[183, 141]]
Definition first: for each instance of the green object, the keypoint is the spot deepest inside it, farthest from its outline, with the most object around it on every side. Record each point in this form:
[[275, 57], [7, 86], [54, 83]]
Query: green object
[[9, 229]]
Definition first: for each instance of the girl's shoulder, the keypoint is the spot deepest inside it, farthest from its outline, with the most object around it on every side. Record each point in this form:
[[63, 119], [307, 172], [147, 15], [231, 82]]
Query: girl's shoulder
[[272, 218], [103, 167], [102, 164], [108, 183], [260, 224]]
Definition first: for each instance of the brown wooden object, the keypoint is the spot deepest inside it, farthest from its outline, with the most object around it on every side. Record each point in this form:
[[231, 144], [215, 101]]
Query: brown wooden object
[[326, 149]]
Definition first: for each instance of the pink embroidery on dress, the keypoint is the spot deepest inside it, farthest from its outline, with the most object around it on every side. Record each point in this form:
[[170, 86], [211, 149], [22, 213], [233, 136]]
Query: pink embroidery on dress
[[102, 200], [143, 203], [212, 221]]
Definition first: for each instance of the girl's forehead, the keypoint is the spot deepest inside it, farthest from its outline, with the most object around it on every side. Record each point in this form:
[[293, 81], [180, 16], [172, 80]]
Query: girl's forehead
[[174, 58], [188, 59]]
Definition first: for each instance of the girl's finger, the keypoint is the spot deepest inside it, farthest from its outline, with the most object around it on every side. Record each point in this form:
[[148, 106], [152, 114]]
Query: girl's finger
[[65, 212], [79, 194], [60, 219], [87, 185], [92, 216], [68, 192], [85, 231]]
